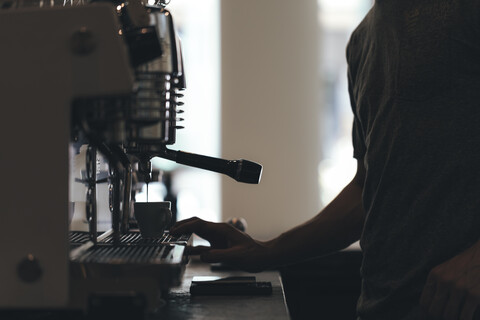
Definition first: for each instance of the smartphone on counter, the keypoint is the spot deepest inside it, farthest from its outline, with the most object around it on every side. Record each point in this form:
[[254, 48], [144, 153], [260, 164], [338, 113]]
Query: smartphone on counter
[[212, 285]]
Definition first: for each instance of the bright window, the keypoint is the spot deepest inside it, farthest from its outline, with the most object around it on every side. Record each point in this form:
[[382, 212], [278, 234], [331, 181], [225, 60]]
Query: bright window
[[197, 24], [337, 19]]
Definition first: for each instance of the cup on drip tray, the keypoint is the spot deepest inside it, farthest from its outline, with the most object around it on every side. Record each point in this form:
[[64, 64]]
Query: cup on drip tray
[[152, 217]]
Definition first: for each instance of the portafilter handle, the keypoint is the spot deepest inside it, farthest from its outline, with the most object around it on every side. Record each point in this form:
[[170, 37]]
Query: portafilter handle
[[241, 170]]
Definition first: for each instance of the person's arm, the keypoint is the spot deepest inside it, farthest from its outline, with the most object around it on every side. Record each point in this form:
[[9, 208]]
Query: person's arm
[[334, 228]]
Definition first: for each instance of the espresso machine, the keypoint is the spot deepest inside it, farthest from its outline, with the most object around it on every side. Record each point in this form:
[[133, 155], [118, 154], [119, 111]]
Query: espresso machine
[[91, 92]]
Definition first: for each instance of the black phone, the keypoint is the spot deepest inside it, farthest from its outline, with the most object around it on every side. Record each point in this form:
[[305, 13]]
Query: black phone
[[229, 286]]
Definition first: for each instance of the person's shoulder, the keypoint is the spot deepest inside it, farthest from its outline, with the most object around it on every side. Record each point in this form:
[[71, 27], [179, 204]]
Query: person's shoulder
[[363, 26], [359, 34]]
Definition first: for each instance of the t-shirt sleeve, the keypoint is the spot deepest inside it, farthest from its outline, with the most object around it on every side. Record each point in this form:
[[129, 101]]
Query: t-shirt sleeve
[[358, 142], [358, 139]]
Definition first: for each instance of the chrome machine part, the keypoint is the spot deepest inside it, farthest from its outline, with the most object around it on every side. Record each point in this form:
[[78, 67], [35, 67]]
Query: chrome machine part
[[158, 86]]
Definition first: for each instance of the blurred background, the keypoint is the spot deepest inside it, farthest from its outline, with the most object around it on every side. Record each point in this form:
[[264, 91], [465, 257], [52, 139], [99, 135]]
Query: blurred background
[[266, 81]]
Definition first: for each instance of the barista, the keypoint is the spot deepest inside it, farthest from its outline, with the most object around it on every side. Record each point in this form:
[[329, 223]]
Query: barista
[[414, 82]]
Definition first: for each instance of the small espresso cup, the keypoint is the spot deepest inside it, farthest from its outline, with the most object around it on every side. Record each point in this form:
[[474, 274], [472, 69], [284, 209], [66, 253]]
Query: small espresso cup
[[152, 218]]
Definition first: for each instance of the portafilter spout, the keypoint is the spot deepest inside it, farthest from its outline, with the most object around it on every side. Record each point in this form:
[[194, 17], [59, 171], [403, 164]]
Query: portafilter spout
[[241, 170]]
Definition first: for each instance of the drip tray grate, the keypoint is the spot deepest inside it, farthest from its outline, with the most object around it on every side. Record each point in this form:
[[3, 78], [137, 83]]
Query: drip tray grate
[[131, 249], [132, 238], [78, 237], [135, 238], [127, 254]]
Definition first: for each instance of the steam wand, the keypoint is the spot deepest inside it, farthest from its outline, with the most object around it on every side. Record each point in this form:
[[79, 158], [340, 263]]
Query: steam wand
[[241, 170]]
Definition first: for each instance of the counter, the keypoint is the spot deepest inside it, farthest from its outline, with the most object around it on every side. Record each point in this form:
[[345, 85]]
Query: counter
[[181, 305]]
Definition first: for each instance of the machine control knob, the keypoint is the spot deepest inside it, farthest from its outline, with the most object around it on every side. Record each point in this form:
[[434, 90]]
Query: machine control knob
[[29, 269]]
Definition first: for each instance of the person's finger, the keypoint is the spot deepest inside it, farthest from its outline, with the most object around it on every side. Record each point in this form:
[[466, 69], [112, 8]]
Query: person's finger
[[229, 231], [194, 251], [182, 223], [209, 230], [179, 223], [193, 225], [469, 308]]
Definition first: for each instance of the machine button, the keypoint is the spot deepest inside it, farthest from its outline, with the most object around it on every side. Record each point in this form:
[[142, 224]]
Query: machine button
[[29, 269]]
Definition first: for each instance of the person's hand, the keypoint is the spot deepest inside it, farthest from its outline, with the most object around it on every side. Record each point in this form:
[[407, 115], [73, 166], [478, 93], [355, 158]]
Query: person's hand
[[452, 290], [228, 244]]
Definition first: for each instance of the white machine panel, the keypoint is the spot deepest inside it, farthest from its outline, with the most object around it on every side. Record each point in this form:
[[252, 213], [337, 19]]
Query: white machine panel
[[44, 66]]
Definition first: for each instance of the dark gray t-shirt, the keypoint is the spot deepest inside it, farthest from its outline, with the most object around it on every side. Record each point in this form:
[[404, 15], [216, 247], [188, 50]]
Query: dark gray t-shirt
[[414, 80]]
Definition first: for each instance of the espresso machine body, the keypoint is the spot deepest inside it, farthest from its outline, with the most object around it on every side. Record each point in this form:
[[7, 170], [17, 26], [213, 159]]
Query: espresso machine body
[[102, 80], [42, 72]]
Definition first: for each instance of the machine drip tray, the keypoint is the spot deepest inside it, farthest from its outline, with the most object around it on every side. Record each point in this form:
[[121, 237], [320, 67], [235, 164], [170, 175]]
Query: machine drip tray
[[135, 238], [148, 267], [128, 254], [78, 238], [130, 249]]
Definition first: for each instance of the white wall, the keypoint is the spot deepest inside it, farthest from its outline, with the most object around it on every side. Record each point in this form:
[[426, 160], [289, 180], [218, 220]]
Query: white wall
[[198, 25], [271, 111]]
